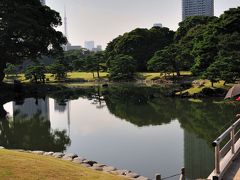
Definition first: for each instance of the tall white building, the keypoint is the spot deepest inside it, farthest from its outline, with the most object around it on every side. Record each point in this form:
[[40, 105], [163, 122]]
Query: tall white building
[[43, 2], [89, 45], [31, 107], [197, 8], [157, 25]]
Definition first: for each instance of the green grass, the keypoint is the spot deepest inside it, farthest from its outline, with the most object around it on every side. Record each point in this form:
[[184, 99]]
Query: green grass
[[206, 84], [85, 75], [72, 76], [156, 75], [25, 166]]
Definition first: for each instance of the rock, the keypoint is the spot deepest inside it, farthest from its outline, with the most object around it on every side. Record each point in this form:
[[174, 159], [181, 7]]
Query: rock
[[89, 162], [58, 155], [97, 168], [132, 175], [48, 153], [86, 165], [21, 150], [78, 160], [109, 168], [122, 172], [69, 157], [99, 165], [1, 147], [142, 178], [38, 152]]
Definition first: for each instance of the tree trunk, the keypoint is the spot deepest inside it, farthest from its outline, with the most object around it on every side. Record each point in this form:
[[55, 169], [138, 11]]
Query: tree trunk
[[35, 78], [178, 73], [98, 75], [93, 74], [2, 67], [212, 83]]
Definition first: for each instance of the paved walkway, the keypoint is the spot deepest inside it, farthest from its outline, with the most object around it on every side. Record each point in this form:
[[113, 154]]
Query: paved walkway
[[234, 170]]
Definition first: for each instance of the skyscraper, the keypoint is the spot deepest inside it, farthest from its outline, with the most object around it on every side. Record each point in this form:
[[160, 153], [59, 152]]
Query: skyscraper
[[89, 45], [68, 46], [197, 8], [43, 2]]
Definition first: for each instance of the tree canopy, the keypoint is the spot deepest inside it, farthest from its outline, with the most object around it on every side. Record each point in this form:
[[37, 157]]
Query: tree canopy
[[208, 46], [27, 31], [140, 44]]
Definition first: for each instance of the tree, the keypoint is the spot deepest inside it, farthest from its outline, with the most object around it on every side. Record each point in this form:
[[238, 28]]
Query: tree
[[141, 44], [36, 72], [123, 67], [166, 60], [190, 23], [227, 62], [219, 42], [58, 69], [10, 69], [95, 62], [189, 31], [75, 58], [27, 31]]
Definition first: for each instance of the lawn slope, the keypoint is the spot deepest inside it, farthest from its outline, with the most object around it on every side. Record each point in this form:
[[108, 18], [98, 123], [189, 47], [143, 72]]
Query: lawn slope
[[26, 166]]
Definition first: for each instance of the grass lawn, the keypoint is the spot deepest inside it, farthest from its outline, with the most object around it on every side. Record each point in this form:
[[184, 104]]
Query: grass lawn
[[207, 84], [26, 166], [72, 75], [156, 75]]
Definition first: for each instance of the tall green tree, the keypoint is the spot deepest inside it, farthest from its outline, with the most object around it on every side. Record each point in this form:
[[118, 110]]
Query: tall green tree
[[27, 31], [95, 62], [141, 44], [36, 73], [218, 42], [166, 60], [123, 67]]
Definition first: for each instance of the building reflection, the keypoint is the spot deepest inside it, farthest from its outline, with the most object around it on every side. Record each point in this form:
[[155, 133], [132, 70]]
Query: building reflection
[[64, 107], [29, 107], [198, 156]]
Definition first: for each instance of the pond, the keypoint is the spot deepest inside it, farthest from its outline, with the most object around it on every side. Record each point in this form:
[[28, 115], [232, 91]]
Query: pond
[[134, 128]]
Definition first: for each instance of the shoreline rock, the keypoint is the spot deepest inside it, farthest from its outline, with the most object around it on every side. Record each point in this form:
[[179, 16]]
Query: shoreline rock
[[87, 163]]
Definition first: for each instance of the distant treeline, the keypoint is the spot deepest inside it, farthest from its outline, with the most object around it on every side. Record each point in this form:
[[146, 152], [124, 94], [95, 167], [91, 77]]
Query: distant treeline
[[209, 47]]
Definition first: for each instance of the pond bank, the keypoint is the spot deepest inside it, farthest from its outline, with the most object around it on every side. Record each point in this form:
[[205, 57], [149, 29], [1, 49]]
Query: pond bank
[[48, 167]]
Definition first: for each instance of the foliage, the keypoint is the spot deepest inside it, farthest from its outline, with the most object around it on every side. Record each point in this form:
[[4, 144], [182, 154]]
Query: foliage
[[165, 61], [10, 69], [216, 52], [36, 72], [209, 46], [58, 69], [95, 62], [141, 44], [27, 31], [32, 133], [76, 58], [123, 67]]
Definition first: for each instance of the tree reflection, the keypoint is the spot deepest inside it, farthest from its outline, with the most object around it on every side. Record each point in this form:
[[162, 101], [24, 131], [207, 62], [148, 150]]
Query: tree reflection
[[32, 133], [138, 106]]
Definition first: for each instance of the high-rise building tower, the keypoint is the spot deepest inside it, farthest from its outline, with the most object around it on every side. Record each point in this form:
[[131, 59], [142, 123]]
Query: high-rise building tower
[[89, 45], [68, 45], [157, 25], [43, 2], [197, 8]]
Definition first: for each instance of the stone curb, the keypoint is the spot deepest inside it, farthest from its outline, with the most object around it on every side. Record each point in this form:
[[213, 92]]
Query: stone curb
[[87, 163]]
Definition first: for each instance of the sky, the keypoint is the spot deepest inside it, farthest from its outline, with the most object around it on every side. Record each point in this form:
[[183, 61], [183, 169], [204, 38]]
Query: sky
[[104, 20]]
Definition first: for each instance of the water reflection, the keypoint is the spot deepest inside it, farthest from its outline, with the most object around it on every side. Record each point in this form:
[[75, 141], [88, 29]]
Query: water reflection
[[30, 128], [128, 127]]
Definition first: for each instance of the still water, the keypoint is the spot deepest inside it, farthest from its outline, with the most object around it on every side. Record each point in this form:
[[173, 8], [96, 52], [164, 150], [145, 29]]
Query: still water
[[133, 128]]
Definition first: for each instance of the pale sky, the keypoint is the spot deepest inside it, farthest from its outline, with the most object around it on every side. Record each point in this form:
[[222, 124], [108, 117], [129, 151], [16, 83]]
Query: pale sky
[[103, 20]]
